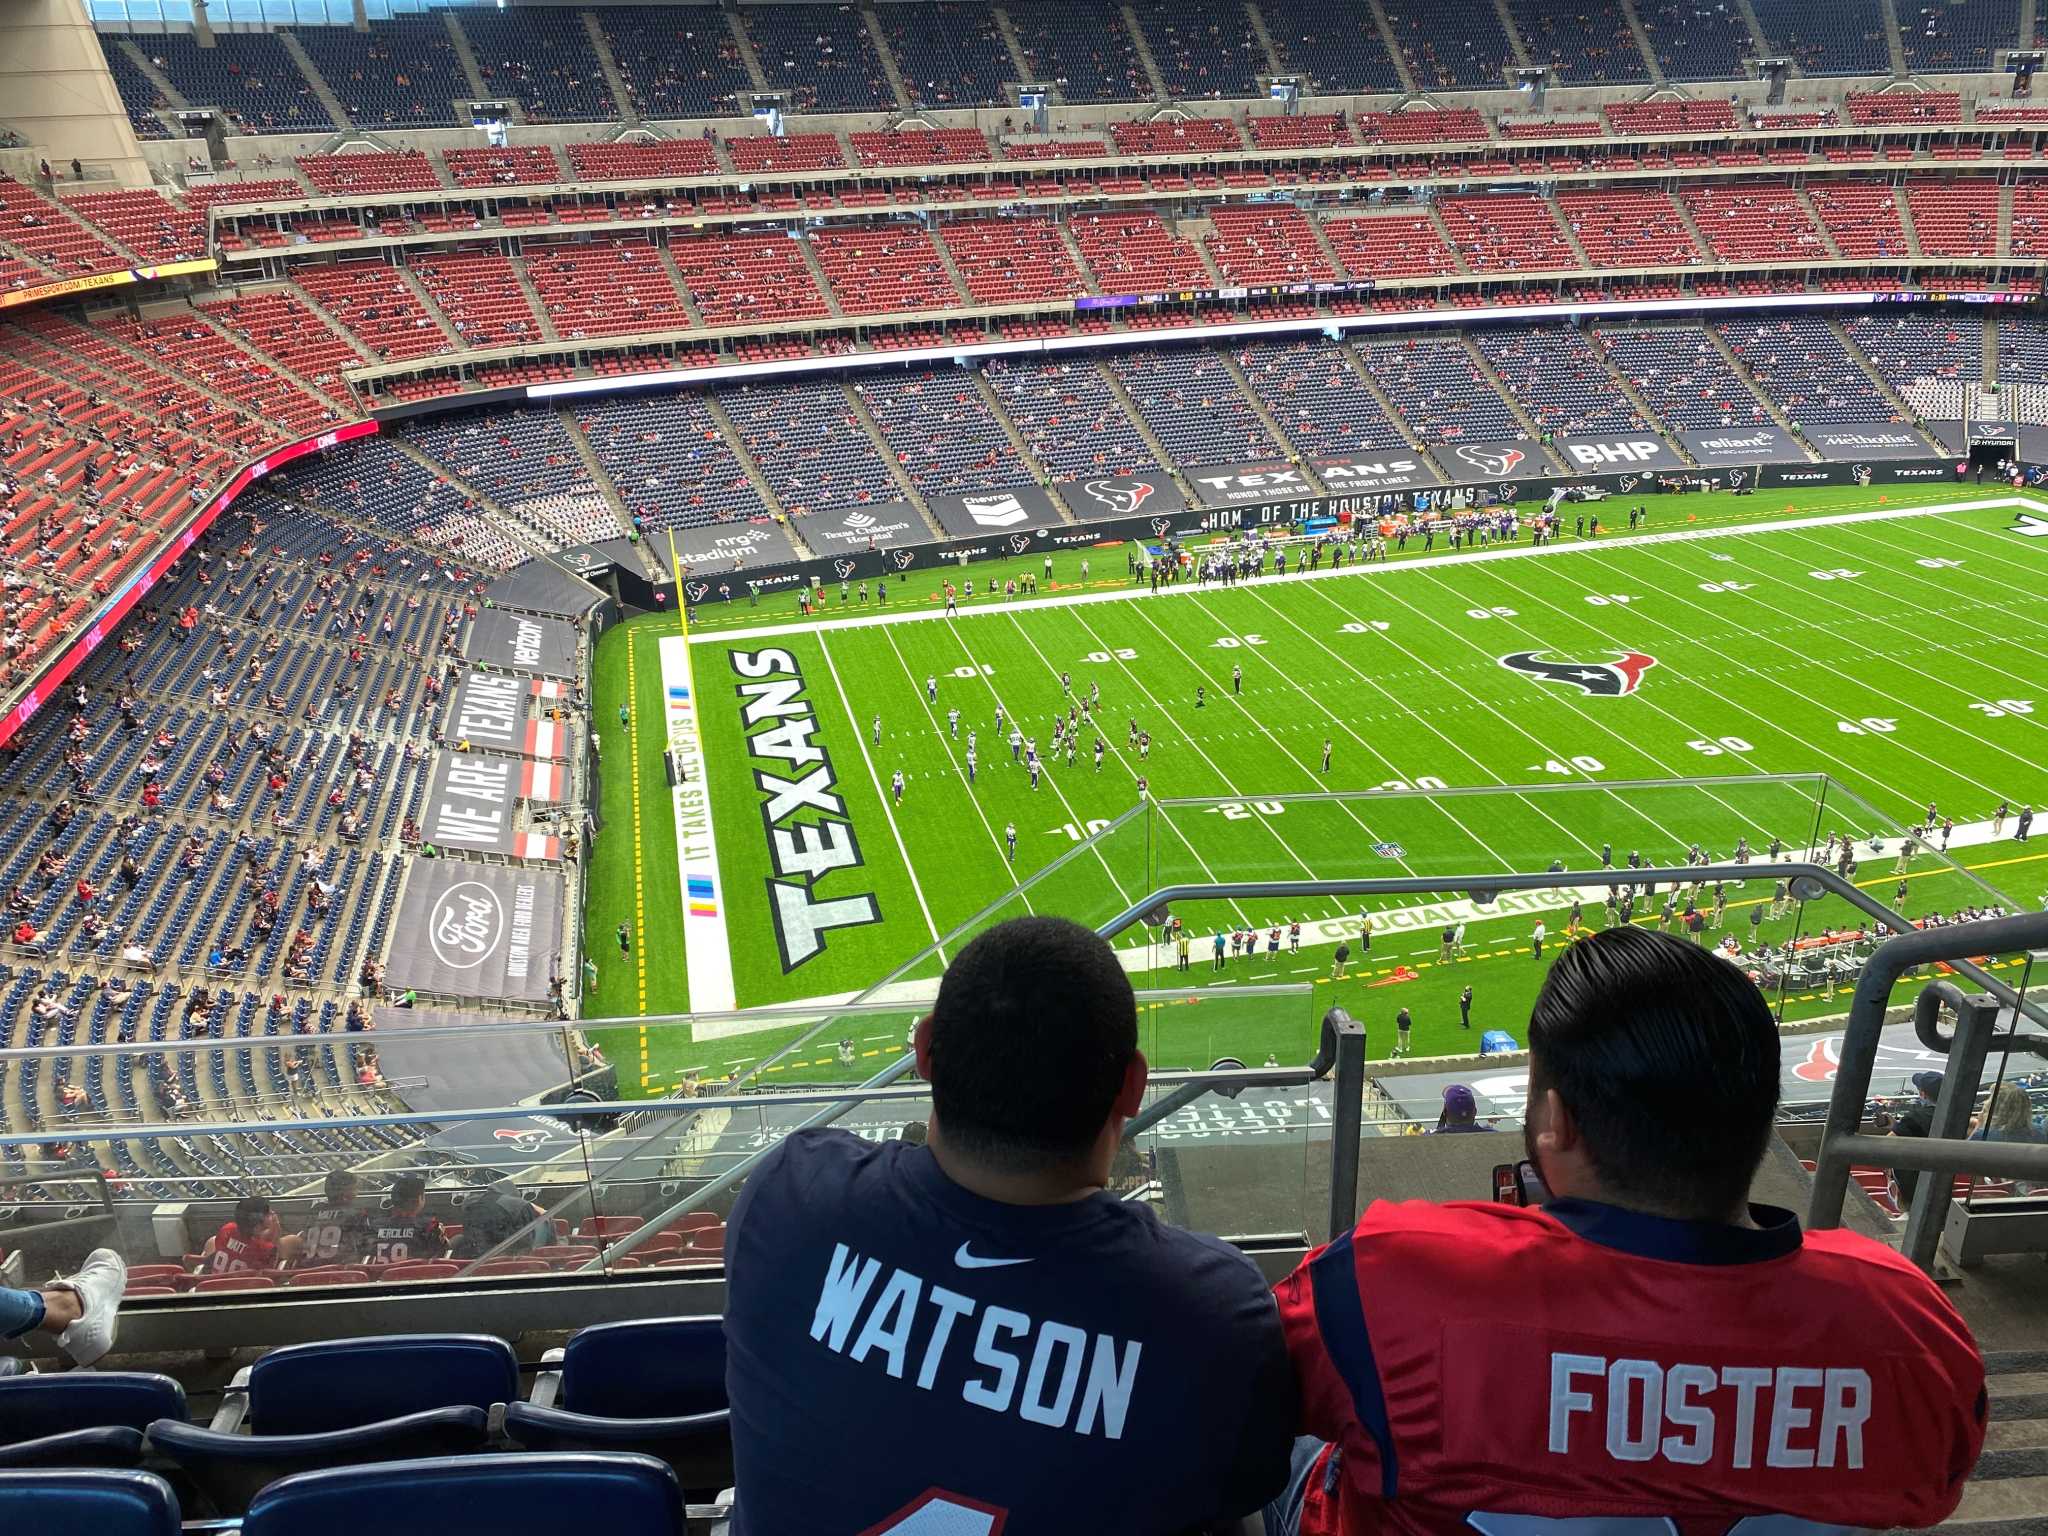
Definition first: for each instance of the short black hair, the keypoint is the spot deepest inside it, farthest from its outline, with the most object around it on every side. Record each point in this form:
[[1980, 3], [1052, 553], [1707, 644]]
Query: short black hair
[[1667, 1056], [1033, 1029], [341, 1185], [250, 1211], [408, 1189]]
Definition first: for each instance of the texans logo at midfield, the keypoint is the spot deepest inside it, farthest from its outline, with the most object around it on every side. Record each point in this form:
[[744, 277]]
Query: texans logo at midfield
[[1606, 679]]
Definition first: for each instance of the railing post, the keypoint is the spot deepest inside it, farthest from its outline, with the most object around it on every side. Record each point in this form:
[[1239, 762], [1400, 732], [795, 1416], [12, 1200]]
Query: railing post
[[1976, 1018], [1346, 1107]]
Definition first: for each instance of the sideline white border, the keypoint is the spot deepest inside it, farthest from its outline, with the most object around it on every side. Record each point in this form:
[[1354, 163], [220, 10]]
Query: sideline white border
[[707, 955], [928, 614]]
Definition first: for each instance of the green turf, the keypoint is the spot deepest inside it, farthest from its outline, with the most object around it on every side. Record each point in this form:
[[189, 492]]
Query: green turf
[[1889, 681]]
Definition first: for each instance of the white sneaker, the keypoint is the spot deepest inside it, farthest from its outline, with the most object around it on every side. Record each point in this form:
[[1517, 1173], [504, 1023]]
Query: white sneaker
[[98, 1285]]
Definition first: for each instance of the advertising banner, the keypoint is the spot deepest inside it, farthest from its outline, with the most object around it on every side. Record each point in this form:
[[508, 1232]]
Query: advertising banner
[[1224, 485], [472, 806], [477, 930], [1121, 495], [1398, 469], [981, 513], [1471, 463], [491, 712], [1597, 454], [520, 642], [873, 527], [1879, 440], [1721, 446], [727, 546]]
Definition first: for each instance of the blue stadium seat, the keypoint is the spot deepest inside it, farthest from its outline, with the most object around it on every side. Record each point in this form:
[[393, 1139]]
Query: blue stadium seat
[[82, 1418], [88, 1504], [657, 1388], [316, 1406], [475, 1493]]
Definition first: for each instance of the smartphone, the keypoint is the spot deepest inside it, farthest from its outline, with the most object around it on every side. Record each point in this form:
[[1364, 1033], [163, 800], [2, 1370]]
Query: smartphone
[[1519, 1184]]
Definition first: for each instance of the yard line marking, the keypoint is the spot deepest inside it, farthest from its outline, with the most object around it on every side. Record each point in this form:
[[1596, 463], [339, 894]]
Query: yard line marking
[[1586, 714], [1783, 687], [1417, 716], [1008, 714], [1124, 763], [1968, 572], [860, 740], [960, 773], [2005, 547], [1368, 570], [1917, 631], [639, 880]]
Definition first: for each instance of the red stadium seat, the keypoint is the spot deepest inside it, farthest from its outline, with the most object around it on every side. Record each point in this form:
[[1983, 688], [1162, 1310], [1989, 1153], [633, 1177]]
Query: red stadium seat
[[252, 1281]]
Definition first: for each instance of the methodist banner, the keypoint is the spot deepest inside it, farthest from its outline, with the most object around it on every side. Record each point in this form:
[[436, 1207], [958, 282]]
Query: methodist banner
[[1591, 455], [472, 806], [487, 931], [490, 711], [1469, 463], [1398, 469], [984, 512], [519, 642], [1121, 495], [852, 528], [1879, 440], [1719, 447], [724, 546]]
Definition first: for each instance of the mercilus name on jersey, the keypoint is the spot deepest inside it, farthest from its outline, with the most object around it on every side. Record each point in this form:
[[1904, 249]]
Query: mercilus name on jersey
[[997, 1358]]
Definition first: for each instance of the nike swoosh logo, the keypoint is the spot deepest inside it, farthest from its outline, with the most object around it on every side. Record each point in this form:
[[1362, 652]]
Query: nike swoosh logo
[[968, 1260]]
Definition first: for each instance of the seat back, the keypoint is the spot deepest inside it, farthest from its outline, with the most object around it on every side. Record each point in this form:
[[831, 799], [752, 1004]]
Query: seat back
[[34, 1406], [476, 1493], [659, 1368], [309, 1389], [88, 1504]]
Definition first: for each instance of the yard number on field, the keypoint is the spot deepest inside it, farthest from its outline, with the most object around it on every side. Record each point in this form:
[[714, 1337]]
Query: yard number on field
[[1869, 725], [2000, 708]]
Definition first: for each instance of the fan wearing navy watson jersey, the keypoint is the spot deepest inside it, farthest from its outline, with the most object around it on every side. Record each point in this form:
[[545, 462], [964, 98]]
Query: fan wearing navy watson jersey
[[1647, 1351], [974, 1336]]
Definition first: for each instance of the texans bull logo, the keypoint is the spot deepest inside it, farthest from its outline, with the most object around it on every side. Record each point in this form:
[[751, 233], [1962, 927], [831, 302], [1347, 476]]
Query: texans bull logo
[[697, 590], [1491, 461], [1018, 543], [524, 1141], [902, 557], [844, 567], [1162, 525], [1604, 679], [1121, 499]]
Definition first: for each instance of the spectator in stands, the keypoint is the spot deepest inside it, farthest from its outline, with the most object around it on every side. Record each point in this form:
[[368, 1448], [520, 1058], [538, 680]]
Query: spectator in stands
[[254, 1240], [82, 1310], [1460, 1112], [338, 1231], [501, 1220], [1917, 1119], [989, 1318], [1485, 1364]]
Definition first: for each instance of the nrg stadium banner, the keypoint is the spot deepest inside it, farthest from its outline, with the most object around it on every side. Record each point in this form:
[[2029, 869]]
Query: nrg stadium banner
[[480, 931]]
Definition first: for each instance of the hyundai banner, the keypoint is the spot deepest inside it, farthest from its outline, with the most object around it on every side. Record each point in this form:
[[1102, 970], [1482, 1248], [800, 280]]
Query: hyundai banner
[[483, 931], [1720, 447], [1590, 455], [1121, 495], [979, 513], [1879, 440]]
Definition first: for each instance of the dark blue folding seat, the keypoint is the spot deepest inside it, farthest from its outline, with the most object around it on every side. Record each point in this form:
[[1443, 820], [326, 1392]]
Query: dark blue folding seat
[[79, 1503], [82, 1418], [313, 1406], [656, 1387], [454, 1496]]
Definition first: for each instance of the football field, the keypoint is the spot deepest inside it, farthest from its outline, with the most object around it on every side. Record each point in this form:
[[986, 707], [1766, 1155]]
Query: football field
[[1895, 651]]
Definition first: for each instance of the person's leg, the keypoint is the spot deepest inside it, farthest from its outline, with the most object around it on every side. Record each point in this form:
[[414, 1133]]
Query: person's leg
[[82, 1310]]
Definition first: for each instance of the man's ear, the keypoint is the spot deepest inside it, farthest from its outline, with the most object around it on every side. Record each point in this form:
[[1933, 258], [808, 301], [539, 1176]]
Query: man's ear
[[1559, 1134], [921, 1046], [1131, 1097]]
